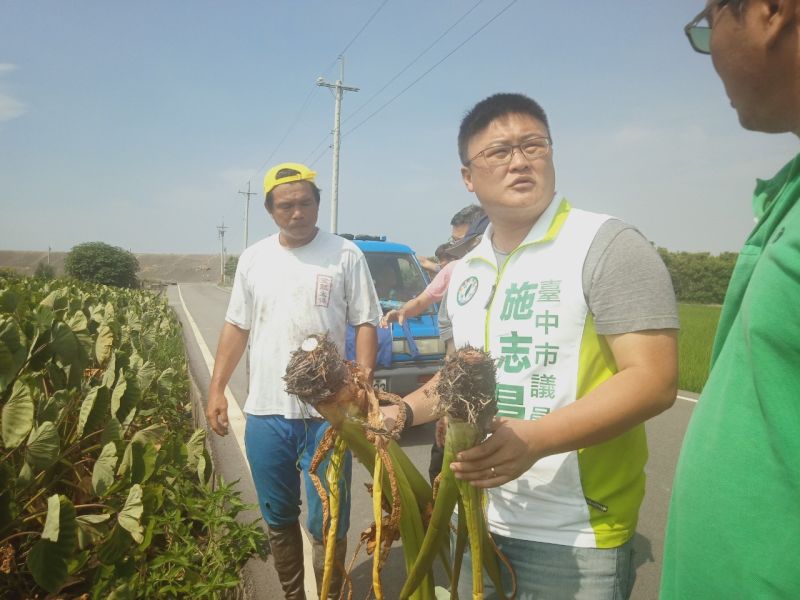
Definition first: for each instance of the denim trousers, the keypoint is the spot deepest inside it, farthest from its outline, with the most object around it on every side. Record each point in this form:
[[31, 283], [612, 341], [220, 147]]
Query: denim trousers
[[278, 450], [553, 572]]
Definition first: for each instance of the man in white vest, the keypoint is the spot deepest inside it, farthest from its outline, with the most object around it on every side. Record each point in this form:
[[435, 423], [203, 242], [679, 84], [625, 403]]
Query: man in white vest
[[579, 313]]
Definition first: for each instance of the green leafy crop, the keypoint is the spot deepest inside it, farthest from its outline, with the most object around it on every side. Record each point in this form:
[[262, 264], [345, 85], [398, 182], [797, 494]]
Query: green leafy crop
[[105, 489]]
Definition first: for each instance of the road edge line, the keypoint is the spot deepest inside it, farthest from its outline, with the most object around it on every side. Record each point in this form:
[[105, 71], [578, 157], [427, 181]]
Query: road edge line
[[237, 421]]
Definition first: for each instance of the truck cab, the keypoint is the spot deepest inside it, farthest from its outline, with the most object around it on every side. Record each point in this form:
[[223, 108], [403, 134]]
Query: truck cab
[[416, 351]]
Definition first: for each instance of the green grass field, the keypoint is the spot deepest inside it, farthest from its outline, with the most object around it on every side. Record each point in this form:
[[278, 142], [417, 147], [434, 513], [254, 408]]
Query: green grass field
[[698, 325]]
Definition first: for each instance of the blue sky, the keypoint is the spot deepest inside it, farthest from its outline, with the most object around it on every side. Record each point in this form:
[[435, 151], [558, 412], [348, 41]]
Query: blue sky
[[137, 123]]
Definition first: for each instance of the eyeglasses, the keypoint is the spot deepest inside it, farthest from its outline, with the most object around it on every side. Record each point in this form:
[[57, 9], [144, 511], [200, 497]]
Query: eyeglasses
[[700, 35], [498, 156]]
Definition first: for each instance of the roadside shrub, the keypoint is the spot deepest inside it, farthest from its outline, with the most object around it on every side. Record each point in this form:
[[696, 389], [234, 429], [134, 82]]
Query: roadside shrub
[[230, 268], [699, 277], [97, 262], [44, 271]]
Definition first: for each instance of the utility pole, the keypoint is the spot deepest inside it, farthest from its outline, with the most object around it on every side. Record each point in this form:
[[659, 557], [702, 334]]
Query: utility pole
[[247, 195], [221, 233], [339, 89]]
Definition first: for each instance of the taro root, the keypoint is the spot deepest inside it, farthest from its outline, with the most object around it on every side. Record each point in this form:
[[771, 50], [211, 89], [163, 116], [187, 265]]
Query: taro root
[[341, 393], [465, 393]]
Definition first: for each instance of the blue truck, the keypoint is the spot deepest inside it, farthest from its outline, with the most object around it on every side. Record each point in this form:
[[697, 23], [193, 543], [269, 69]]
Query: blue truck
[[416, 351]]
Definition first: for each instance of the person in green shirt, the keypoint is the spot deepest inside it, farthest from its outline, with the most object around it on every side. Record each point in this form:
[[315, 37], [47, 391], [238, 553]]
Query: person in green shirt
[[734, 520]]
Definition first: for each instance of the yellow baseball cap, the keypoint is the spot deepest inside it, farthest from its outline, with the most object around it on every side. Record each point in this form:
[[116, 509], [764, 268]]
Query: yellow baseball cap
[[271, 179]]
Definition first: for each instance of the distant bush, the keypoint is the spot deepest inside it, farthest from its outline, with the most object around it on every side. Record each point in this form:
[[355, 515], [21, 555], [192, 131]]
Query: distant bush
[[97, 262], [699, 277], [230, 268], [44, 271]]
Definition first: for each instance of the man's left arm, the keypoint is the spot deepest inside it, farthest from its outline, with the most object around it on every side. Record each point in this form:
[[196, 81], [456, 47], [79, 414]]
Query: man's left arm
[[644, 386]]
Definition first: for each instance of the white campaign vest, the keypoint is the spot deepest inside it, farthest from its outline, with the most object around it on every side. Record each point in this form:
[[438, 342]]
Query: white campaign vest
[[532, 317]]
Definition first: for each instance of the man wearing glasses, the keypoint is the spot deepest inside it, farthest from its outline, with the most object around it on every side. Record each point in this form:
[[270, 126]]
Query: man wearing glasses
[[734, 520], [578, 310]]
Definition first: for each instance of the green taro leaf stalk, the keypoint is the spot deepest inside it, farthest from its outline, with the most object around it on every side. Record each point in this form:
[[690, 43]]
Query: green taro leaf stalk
[[49, 557], [17, 415]]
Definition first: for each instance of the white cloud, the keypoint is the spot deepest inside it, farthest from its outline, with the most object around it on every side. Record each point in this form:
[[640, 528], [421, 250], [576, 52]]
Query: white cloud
[[10, 108], [635, 135]]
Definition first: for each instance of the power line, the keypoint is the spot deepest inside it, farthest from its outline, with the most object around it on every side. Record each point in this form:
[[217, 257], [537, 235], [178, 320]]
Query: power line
[[409, 65], [308, 97], [360, 31], [403, 70], [448, 55], [286, 135]]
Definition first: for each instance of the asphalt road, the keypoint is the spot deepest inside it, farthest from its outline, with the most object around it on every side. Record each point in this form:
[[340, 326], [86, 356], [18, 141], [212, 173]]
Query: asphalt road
[[206, 306]]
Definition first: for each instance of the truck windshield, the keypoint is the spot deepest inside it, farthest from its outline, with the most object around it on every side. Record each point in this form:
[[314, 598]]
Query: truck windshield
[[398, 278]]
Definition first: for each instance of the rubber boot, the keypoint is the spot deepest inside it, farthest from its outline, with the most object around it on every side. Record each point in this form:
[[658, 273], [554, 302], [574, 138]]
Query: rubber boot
[[286, 544], [337, 579]]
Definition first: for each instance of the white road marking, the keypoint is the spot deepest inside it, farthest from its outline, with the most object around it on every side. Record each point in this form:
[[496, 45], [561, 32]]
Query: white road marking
[[687, 398], [236, 420]]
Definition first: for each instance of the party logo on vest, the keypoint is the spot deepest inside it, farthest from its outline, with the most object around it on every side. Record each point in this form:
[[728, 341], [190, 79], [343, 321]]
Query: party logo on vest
[[467, 290]]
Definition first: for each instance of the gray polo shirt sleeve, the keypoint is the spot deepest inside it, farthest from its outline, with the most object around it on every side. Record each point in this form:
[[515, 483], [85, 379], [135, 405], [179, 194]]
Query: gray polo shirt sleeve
[[625, 283]]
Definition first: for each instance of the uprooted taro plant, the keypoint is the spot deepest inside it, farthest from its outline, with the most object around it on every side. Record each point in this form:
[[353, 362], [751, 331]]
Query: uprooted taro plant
[[402, 499]]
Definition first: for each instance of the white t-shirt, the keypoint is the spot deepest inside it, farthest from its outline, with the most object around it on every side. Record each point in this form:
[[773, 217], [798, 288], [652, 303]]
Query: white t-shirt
[[283, 295]]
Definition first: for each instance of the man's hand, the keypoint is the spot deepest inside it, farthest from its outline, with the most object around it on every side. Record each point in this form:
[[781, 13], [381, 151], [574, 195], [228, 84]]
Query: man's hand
[[428, 264], [501, 458], [217, 412], [397, 314]]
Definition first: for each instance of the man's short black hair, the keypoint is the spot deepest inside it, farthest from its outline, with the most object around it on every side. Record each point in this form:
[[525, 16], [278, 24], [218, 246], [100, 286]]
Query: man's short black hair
[[466, 215], [269, 200], [491, 108]]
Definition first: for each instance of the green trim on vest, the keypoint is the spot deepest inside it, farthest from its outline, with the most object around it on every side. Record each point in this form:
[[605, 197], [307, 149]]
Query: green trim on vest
[[562, 212], [612, 473]]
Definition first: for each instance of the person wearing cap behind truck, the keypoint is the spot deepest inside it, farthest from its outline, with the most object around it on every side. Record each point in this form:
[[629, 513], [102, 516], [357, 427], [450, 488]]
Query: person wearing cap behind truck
[[459, 225], [292, 284]]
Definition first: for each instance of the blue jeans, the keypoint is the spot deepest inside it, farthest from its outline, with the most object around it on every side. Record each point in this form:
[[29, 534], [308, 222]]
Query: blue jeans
[[278, 449], [554, 572]]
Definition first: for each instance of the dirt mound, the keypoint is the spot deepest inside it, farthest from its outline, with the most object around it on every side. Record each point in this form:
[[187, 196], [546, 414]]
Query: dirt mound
[[182, 268]]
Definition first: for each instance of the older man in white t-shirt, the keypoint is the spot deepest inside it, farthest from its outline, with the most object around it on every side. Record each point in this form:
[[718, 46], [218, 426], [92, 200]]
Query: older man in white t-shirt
[[298, 282]]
